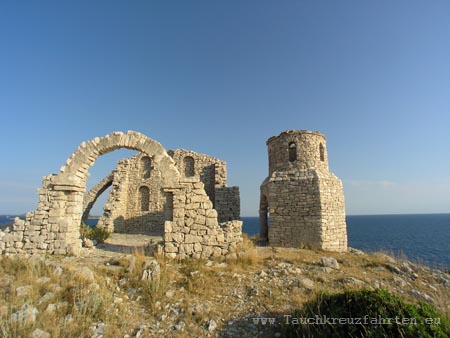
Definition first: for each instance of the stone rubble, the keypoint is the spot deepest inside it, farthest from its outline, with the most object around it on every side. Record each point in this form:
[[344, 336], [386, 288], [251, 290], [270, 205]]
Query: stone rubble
[[26, 315], [329, 262], [151, 271], [38, 333]]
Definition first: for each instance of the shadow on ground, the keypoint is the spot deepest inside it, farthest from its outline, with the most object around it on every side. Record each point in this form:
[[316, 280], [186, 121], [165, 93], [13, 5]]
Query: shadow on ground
[[129, 243], [262, 325]]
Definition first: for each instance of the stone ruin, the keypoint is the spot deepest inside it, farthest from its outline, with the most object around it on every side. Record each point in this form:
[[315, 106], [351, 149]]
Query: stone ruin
[[183, 196], [148, 193], [302, 202], [138, 203]]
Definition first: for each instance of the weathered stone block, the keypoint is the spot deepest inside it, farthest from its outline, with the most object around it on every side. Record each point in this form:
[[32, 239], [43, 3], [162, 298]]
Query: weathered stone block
[[207, 251], [200, 220], [178, 213], [212, 222], [189, 221], [197, 247], [192, 239], [199, 185], [186, 249], [211, 213], [217, 252], [19, 245], [168, 226], [170, 247], [221, 238], [177, 237]]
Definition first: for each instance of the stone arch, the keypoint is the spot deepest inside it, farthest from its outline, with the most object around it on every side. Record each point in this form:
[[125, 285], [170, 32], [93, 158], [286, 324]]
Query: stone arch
[[92, 195], [75, 171], [65, 190]]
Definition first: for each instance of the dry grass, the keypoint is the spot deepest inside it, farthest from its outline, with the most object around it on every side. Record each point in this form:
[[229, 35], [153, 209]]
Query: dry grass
[[247, 254], [200, 290], [154, 291], [79, 302]]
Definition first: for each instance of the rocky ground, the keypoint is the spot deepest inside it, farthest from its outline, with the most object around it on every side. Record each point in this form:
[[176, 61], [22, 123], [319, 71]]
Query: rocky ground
[[115, 290]]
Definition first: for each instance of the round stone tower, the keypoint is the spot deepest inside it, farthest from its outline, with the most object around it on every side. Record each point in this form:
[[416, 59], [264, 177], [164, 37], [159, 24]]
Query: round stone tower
[[302, 202], [297, 150]]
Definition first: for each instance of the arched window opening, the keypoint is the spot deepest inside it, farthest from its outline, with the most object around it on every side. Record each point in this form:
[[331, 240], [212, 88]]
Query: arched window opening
[[168, 206], [264, 218], [189, 169], [292, 152], [144, 196], [322, 152], [146, 165]]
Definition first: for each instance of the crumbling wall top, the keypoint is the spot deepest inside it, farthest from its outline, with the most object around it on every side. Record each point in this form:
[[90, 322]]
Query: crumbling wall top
[[295, 132]]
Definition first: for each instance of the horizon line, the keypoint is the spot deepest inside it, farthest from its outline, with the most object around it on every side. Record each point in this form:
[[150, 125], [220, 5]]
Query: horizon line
[[256, 216]]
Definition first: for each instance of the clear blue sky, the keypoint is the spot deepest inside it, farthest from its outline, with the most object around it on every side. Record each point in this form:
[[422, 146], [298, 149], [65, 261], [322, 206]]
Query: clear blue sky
[[220, 77]]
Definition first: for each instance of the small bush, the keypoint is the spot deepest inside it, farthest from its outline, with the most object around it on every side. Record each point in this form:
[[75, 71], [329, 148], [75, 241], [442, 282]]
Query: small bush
[[85, 230], [99, 234], [373, 305]]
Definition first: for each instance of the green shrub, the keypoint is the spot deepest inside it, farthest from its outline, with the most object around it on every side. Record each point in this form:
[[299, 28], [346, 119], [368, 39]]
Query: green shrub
[[85, 230], [367, 305], [99, 234]]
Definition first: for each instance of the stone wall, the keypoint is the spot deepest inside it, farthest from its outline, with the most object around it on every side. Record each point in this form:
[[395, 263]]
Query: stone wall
[[228, 203], [124, 211], [49, 228], [213, 173], [307, 144], [91, 196], [334, 235], [304, 201], [115, 208], [294, 208], [145, 214], [195, 231], [54, 227]]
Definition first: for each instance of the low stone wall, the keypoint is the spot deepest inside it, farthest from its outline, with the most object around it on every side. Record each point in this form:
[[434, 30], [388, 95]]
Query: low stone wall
[[48, 229], [195, 232]]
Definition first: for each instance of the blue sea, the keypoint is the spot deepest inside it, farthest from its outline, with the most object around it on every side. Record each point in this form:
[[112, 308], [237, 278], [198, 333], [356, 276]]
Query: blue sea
[[423, 238], [420, 237]]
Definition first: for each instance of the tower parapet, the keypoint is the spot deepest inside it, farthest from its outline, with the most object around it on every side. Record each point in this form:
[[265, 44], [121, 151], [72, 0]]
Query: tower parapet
[[297, 150]]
